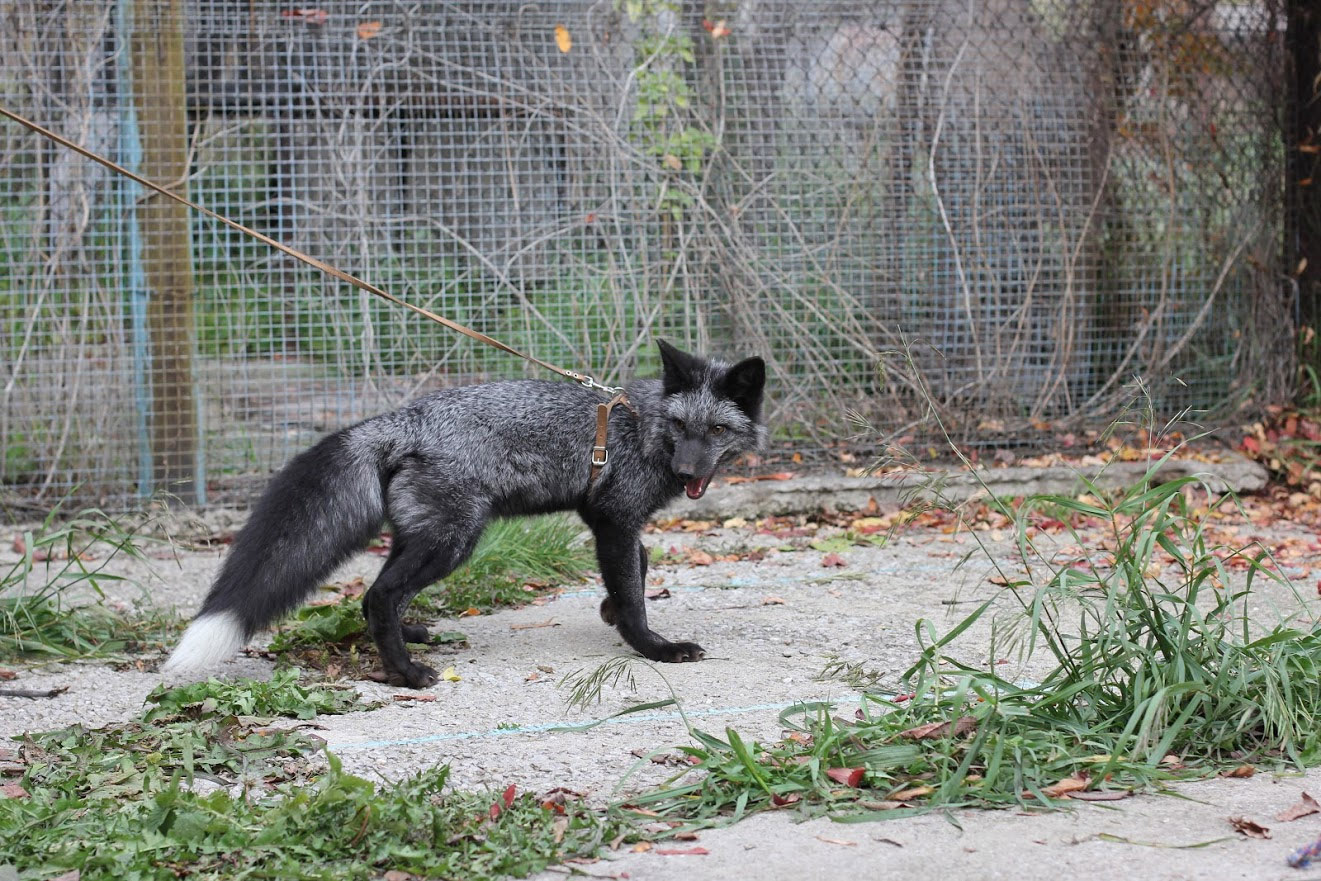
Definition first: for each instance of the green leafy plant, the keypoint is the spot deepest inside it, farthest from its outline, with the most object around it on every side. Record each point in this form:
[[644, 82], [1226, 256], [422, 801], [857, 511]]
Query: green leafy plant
[[282, 695], [201, 793]]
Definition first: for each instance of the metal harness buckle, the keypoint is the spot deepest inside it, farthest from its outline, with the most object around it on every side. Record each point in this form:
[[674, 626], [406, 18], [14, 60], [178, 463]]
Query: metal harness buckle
[[600, 455]]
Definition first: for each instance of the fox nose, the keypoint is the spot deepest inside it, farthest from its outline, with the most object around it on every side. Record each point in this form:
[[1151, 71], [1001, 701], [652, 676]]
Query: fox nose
[[685, 470]]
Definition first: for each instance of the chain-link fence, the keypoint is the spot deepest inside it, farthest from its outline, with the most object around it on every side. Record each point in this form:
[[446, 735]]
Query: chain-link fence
[[1039, 199]]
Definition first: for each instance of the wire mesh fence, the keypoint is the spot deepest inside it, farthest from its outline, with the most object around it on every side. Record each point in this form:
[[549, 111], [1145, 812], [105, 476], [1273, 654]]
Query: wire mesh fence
[[1039, 199]]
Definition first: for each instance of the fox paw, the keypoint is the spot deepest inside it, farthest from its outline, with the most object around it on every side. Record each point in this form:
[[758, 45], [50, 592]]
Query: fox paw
[[677, 652], [608, 614], [412, 676]]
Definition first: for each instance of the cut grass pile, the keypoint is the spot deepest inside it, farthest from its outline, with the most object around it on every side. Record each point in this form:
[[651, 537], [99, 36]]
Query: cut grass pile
[[199, 788], [1156, 671]]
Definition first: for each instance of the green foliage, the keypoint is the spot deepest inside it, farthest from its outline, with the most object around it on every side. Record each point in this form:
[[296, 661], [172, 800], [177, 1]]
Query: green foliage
[[36, 615], [1157, 672], [281, 696], [512, 556], [124, 802]]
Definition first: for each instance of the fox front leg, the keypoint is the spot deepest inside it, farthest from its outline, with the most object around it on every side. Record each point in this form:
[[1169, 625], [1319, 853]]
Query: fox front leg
[[623, 563]]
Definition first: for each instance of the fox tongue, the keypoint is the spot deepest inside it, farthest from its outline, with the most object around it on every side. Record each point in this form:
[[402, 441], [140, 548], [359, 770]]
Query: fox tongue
[[696, 487]]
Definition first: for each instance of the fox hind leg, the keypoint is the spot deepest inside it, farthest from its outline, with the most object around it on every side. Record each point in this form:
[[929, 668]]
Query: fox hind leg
[[417, 559]]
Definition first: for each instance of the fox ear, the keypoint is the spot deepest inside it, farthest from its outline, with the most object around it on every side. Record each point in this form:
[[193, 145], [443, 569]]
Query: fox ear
[[744, 384], [681, 370]]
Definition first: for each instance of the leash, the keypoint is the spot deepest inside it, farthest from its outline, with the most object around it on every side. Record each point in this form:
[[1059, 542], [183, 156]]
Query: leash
[[599, 453], [580, 378]]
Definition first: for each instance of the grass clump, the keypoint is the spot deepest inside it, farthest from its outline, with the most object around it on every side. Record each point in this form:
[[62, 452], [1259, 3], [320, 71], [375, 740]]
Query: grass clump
[[512, 561], [52, 598], [1154, 670], [197, 789]]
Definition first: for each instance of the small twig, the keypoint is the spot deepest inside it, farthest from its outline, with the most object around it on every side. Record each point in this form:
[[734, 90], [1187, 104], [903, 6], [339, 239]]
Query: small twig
[[23, 692]]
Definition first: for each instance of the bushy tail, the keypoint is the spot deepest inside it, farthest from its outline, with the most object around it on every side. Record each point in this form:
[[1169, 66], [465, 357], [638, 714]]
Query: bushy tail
[[319, 510]]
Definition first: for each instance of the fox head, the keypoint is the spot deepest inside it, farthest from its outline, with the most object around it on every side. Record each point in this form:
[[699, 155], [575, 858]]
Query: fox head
[[712, 412]]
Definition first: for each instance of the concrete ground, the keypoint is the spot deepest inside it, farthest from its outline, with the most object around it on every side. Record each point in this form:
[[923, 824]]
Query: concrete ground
[[769, 627]]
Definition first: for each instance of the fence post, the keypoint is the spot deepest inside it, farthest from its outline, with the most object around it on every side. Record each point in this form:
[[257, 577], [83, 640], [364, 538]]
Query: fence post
[[156, 50]]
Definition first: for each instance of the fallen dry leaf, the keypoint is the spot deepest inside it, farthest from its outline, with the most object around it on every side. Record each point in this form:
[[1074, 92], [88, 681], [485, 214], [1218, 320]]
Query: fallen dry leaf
[[682, 851], [1250, 828], [1072, 783], [12, 790], [8, 675], [839, 841], [906, 794], [700, 558], [1242, 771], [1306, 805], [940, 729], [368, 29], [419, 698], [536, 625], [833, 560], [662, 594], [772, 601], [847, 776]]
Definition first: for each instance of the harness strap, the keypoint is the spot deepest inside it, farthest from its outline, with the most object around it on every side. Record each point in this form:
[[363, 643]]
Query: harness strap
[[600, 455]]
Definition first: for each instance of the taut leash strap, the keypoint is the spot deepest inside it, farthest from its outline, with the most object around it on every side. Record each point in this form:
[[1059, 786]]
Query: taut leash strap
[[340, 274], [600, 455]]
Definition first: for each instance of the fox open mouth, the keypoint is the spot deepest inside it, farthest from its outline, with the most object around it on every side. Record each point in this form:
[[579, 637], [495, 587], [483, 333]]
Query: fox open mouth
[[696, 487]]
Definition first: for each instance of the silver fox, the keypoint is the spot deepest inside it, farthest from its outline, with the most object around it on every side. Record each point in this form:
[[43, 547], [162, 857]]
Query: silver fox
[[439, 469]]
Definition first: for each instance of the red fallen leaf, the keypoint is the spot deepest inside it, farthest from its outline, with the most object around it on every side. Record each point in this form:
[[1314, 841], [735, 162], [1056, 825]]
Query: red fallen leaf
[[1250, 828], [847, 776], [781, 800], [509, 794], [20, 546], [900, 698], [1306, 805], [1251, 444], [7, 675], [662, 594], [12, 790], [700, 558], [591, 217], [833, 560], [682, 851], [940, 729]]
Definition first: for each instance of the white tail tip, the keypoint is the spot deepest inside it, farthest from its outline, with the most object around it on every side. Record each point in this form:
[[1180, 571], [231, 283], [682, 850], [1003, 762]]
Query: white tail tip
[[208, 641]]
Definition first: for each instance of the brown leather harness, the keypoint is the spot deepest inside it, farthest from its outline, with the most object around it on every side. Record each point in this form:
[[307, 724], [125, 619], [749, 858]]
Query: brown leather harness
[[600, 455]]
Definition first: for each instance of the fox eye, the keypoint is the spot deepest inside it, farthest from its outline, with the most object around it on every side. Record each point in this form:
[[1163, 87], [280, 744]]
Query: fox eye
[[717, 429], [679, 424]]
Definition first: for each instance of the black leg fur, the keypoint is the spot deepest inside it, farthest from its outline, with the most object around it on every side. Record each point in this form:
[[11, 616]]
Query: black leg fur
[[623, 563]]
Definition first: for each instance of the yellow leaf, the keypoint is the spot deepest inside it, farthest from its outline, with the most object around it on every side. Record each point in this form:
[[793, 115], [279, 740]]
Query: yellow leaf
[[672, 162], [449, 675], [562, 38], [368, 29]]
